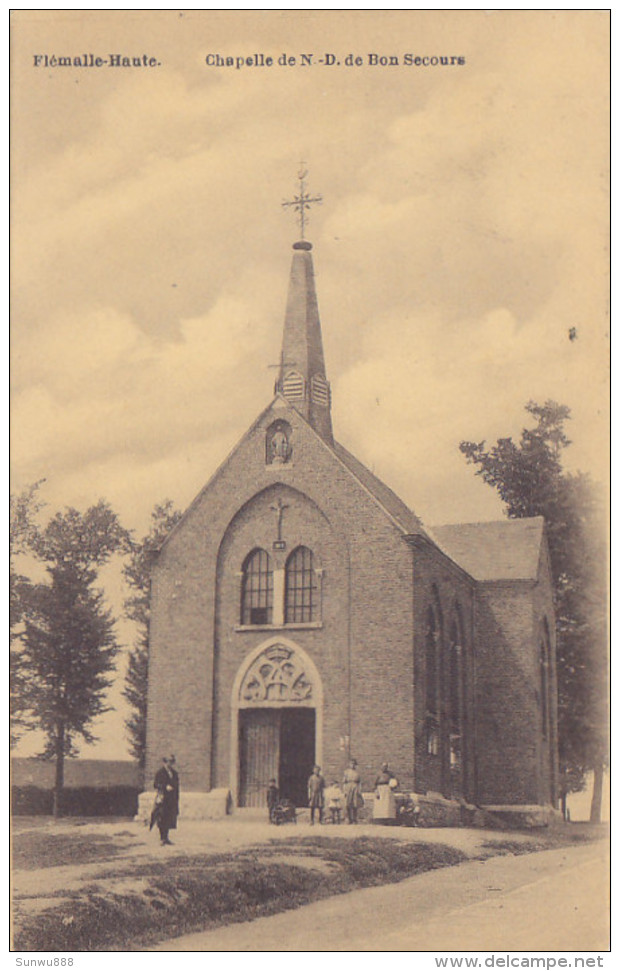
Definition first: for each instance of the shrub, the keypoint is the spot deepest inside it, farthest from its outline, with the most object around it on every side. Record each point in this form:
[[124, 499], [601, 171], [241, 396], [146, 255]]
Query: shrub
[[83, 801]]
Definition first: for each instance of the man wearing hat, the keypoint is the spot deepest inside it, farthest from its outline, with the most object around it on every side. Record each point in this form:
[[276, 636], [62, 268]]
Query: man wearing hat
[[167, 799]]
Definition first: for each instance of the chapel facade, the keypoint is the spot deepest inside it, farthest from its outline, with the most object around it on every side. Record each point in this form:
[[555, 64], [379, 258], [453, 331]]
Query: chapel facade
[[301, 613]]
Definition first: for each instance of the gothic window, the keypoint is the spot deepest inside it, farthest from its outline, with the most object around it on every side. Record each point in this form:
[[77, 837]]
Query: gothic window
[[454, 680], [301, 590], [278, 443], [293, 386], [257, 589], [432, 684], [456, 701], [432, 664]]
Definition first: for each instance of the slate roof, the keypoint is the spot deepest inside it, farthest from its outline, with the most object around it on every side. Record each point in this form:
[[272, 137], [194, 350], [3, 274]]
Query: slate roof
[[406, 519], [508, 549]]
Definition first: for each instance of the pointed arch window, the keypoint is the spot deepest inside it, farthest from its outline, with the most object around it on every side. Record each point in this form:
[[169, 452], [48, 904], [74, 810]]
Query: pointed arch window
[[456, 696], [257, 589], [301, 588], [432, 683]]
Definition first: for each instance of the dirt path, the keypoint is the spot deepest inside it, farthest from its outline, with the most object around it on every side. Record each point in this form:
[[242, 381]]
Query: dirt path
[[140, 846], [552, 900]]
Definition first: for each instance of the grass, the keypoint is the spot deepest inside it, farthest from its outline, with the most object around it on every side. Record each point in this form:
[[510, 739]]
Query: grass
[[34, 850], [193, 893], [550, 839]]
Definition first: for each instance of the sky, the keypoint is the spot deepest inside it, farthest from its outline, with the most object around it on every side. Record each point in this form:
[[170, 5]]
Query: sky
[[463, 233]]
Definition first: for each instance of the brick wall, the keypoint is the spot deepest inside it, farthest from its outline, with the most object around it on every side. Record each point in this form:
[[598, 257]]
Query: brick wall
[[508, 716], [367, 632], [439, 582]]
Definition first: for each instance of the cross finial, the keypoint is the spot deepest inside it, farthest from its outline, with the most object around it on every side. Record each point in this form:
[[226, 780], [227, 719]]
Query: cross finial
[[279, 511], [302, 202]]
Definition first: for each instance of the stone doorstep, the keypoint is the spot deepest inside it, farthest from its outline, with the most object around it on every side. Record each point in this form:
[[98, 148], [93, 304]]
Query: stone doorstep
[[215, 804]]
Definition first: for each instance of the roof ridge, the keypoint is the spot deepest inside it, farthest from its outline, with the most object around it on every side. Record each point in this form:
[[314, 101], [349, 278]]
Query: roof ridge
[[394, 514], [490, 522]]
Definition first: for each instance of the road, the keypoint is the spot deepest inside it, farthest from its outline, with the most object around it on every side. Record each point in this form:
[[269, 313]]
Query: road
[[554, 900]]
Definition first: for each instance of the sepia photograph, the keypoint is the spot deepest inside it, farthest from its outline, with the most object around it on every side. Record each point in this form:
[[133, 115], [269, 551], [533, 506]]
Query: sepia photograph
[[310, 483]]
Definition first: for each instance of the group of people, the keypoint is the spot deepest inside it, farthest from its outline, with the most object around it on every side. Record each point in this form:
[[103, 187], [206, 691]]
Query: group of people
[[335, 799], [320, 796]]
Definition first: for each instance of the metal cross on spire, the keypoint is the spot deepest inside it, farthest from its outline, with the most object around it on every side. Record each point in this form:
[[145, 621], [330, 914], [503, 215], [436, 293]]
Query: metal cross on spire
[[302, 202]]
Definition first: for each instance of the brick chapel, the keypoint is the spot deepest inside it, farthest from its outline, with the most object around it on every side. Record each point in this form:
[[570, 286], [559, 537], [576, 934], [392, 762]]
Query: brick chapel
[[301, 613]]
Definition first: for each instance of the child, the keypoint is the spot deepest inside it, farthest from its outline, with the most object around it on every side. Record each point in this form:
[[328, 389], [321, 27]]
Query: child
[[334, 799], [273, 798]]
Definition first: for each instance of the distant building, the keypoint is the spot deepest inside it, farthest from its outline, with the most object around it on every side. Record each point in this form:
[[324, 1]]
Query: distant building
[[302, 613]]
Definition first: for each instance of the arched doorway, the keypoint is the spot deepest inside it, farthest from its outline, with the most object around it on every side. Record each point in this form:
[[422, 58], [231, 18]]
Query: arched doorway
[[276, 723]]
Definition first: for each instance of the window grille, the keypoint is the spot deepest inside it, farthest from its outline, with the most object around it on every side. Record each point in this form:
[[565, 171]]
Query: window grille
[[301, 605], [257, 589]]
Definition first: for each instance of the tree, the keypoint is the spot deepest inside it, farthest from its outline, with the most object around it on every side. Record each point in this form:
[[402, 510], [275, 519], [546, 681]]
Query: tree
[[137, 572], [69, 643], [531, 481], [23, 509]]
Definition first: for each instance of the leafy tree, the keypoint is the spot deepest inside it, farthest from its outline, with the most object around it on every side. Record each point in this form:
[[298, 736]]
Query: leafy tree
[[23, 509], [69, 643], [531, 481], [137, 572]]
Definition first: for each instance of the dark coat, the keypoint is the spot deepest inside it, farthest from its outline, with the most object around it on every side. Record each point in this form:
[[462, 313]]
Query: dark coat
[[167, 785], [316, 785]]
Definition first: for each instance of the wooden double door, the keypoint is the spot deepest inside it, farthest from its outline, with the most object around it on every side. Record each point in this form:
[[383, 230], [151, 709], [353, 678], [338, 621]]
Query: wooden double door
[[275, 743]]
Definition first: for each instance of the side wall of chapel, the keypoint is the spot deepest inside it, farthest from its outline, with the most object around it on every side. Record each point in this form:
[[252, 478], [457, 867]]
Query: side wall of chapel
[[516, 759], [440, 586]]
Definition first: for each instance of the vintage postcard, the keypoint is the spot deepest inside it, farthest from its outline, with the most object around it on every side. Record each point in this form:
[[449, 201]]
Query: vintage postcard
[[310, 373]]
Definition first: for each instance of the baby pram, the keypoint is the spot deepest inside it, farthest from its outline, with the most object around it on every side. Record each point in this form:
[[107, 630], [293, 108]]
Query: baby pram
[[284, 811]]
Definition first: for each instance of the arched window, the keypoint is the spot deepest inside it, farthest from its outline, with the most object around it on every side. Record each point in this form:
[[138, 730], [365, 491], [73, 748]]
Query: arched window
[[456, 696], [257, 589], [432, 683], [301, 589], [454, 680]]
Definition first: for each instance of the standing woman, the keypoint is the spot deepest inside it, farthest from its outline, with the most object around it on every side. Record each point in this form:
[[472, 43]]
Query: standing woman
[[352, 787], [384, 806], [167, 785]]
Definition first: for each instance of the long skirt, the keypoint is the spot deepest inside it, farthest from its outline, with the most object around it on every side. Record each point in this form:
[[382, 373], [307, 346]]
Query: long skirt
[[384, 803]]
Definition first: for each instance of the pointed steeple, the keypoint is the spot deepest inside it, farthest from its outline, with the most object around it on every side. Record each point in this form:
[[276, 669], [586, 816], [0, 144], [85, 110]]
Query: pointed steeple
[[302, 378]]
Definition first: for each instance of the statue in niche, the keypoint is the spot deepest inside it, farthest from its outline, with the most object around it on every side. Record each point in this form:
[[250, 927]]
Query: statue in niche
[[278, 444]]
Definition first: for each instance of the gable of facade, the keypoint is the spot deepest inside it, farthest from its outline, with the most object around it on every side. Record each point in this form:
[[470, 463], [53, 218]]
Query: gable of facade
[[359, 632]]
